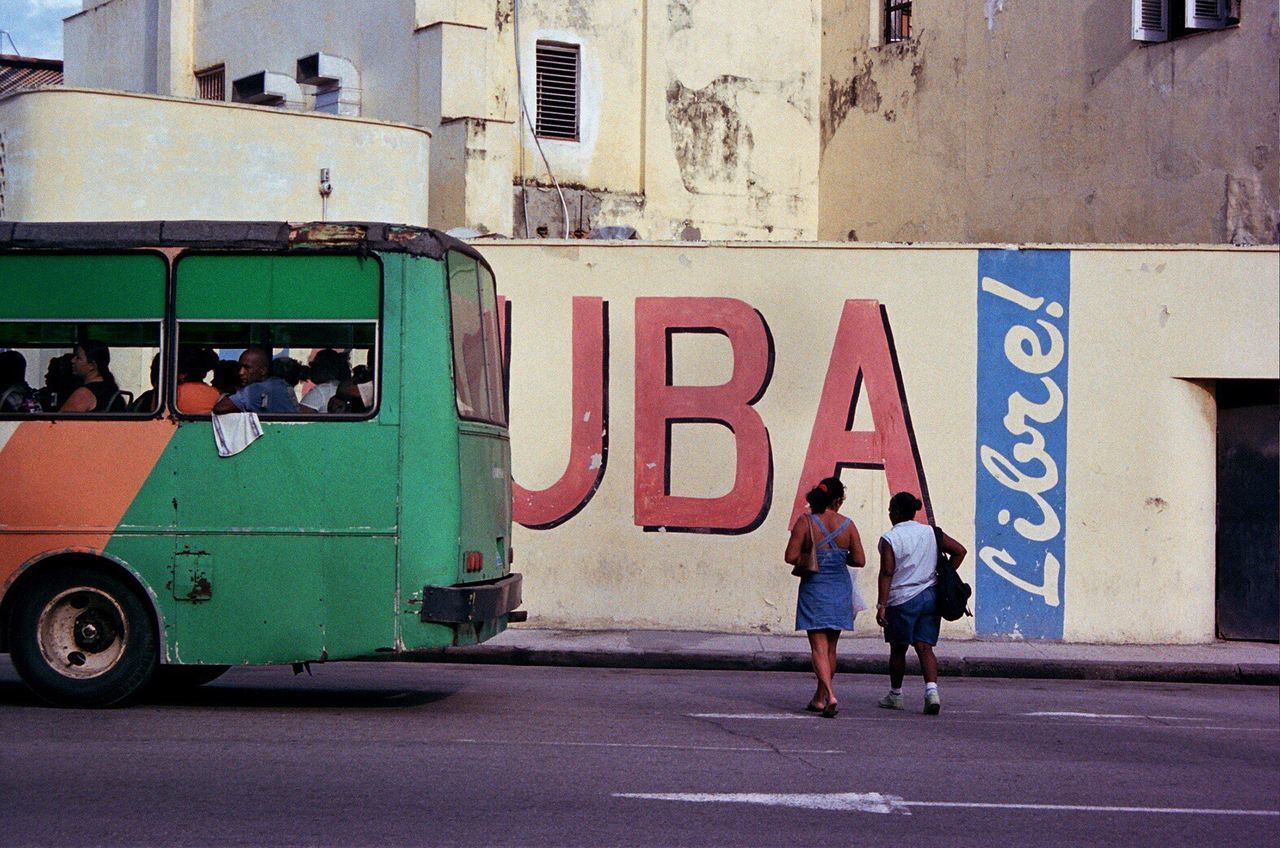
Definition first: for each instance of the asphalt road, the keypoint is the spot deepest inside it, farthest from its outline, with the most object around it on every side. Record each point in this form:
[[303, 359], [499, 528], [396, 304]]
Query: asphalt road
[[407, 754]]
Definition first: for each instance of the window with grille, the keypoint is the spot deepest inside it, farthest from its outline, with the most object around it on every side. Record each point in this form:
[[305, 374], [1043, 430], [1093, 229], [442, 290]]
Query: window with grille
[[897, 21], [212, 83], [557, 90]]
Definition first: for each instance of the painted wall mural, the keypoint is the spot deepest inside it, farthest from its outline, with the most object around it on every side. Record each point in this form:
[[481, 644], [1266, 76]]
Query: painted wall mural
[[1023, 300], [670, 404], [863, 361]]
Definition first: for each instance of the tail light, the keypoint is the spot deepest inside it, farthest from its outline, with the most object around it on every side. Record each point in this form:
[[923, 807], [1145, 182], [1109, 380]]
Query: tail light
[[473, 561]]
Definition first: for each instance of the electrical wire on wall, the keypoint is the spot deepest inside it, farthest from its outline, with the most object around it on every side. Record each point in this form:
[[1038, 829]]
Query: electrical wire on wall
[[524, 110]]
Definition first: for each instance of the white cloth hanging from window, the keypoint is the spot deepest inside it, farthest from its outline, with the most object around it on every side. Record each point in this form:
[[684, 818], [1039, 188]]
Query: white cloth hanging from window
[[235, 431]]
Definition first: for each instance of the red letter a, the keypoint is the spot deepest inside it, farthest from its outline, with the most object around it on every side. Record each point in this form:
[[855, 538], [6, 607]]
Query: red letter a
[[864, 355], [589, 428], [659, 404]]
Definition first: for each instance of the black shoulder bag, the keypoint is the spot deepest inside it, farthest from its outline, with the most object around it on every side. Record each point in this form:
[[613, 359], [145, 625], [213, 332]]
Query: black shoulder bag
[[953, 593]]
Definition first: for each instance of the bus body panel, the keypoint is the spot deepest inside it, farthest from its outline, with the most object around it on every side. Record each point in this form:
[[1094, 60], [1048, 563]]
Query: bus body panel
[[278, 523], [429, 518]]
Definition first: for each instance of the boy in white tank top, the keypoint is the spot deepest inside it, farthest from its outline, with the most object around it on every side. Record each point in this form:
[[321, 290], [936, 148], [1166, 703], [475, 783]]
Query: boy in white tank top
[[907, 606]]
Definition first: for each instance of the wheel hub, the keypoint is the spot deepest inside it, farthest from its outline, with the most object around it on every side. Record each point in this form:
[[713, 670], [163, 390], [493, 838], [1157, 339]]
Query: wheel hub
[[82, 632], [94, 632]]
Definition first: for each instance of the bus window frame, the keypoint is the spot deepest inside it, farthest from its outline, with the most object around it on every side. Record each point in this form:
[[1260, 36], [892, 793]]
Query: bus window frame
[[500, 389], [164, 321], [375, 409]]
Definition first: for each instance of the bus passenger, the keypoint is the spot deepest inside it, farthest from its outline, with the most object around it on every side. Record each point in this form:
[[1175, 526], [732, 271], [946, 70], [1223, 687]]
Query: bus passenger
[[226, 376], [328, 370], [91, 361], [59, 382], [261, 392], [147, 400], [15, 394], [195, 396]]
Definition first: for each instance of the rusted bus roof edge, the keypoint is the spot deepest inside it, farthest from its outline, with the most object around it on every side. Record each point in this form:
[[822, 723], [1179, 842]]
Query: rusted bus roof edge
[[232, 235]]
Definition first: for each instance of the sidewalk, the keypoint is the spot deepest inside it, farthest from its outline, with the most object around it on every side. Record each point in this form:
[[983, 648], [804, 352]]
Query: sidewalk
[[1217, 662]]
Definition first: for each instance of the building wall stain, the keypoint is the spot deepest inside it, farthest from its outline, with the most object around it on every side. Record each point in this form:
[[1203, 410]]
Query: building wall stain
[[871, 71], [711, 140], [680, 15], [502, 14], [859, 90]]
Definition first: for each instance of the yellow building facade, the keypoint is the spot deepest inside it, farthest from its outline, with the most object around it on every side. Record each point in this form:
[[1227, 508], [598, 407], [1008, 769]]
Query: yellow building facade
[[1013, 121]]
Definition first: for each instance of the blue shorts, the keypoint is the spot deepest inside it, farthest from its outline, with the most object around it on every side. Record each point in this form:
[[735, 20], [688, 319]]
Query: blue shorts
[[917, 620]]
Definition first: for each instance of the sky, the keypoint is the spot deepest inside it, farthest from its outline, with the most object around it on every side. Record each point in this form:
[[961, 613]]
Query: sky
[[35, 26]]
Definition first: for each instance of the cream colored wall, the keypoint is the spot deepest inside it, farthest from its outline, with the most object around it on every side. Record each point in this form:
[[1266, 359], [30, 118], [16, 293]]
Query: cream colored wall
[[76, 155], [1140, 445], [611, 38], [731, 136], [1046, 122]]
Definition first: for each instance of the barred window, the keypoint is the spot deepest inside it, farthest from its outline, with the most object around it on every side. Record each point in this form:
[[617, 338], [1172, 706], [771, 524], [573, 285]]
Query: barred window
[[557, 90], [897, 21], [212, 83]]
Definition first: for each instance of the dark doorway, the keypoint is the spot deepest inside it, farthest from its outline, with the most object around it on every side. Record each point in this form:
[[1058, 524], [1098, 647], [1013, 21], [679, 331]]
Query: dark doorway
[[1248, 592]]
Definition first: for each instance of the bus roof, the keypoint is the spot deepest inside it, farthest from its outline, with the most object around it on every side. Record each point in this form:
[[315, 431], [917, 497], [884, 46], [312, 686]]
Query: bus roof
[[232, 235]]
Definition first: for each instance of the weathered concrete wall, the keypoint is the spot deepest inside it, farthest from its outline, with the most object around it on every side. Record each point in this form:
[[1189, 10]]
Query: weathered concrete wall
[[1028, 121], [919, 368], [112, 45], [77, 155], [731, 140]]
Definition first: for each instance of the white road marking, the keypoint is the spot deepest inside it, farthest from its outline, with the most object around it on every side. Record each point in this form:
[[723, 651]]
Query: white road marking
[[876, 802], [1090, 808], [751, 716], [1113, 716], [862, 802], [757, 750], [1142, 722]]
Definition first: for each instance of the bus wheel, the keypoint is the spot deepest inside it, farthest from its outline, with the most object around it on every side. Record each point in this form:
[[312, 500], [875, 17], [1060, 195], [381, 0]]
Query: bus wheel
[[176, 678], [82, 638]]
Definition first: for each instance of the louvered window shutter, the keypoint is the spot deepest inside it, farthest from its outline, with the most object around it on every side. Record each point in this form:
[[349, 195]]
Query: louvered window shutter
[[1206, 14], [557, 90], [1151, 20]]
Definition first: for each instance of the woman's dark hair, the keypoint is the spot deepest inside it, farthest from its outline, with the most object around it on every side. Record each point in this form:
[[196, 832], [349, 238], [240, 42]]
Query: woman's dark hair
[[226, 376], [329, 366], [100, 355], [195, 362], [288, 369], [905, 505], [823, 495], [59, 382], [13, 369]]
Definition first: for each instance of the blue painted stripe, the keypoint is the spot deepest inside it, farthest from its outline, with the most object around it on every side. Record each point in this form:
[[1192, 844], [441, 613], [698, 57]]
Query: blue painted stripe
[[1020, 525]]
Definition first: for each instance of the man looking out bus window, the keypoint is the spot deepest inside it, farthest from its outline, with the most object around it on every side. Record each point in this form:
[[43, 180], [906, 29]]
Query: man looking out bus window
[[260, 392]]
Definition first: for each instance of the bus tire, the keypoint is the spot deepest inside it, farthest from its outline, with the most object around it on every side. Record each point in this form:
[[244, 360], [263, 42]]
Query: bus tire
[[178, 678], [80, 637]]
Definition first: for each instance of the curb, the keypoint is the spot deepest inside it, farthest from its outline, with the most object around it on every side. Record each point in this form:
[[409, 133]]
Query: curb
[[1257, 674]]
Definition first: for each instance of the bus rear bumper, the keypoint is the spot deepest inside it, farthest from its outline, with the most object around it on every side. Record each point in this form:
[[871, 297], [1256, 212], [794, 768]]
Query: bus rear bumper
[[471, 602]]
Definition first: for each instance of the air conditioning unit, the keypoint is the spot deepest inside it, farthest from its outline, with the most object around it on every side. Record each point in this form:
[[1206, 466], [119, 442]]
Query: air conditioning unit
[[267, 88], [336, 80]]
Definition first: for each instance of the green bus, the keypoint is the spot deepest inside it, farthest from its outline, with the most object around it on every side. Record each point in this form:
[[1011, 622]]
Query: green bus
[[361, 509]]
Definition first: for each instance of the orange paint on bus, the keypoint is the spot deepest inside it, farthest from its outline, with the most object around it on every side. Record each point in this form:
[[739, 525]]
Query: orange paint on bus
[[67, 484]]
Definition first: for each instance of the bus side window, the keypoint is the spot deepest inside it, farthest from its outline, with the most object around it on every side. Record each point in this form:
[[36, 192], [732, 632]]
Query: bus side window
[[56, 368], [306, 322]]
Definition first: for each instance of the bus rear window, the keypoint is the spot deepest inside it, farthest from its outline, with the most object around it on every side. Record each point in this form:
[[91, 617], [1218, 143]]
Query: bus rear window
[[477, 364]]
